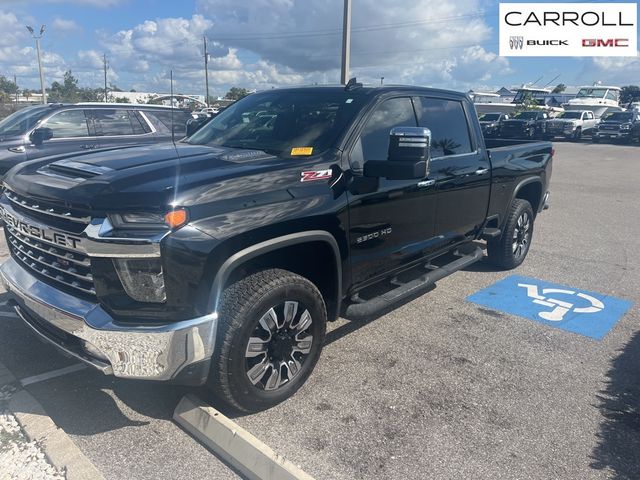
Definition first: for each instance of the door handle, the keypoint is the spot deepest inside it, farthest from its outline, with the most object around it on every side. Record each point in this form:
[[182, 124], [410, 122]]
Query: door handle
[[482, 171], [426, 183]]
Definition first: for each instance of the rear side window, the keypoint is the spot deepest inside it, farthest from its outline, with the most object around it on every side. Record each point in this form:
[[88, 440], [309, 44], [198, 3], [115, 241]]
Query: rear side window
[[111, 122], [68, 124], [448, 125], [161, 120]]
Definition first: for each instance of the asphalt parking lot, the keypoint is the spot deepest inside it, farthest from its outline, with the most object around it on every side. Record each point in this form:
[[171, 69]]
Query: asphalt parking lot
[[438, 388]]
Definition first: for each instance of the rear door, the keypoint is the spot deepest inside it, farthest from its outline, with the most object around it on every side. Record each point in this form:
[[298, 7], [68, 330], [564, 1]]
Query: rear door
[[71, 133], [119, 127], [391, 221], [459, 167]]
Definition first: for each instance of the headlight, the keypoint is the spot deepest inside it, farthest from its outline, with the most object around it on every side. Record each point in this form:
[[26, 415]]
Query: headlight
[[142, 279], [149, 221], [625, 127]]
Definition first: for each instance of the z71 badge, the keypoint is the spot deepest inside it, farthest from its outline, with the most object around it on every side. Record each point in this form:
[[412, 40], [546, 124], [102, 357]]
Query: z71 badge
[[315, 175]]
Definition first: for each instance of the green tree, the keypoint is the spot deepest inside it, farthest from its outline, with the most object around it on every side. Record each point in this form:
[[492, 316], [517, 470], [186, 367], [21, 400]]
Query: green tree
[[121, 100], [236, 93], [561, 87], [8, 89], [26, 93], [630, 93]]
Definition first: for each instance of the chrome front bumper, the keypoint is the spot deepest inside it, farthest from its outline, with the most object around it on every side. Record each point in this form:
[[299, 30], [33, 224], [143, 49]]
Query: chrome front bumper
[[86, 331]]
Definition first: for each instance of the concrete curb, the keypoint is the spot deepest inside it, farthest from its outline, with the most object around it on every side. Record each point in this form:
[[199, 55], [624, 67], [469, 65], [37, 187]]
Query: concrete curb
[[232, 443], [38, 426]]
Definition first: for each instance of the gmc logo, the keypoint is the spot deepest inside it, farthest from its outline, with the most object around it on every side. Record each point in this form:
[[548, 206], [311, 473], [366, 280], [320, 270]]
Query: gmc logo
[[609, 42]]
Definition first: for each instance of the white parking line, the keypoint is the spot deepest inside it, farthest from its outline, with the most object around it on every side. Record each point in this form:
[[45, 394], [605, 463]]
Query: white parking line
[[52, 374]]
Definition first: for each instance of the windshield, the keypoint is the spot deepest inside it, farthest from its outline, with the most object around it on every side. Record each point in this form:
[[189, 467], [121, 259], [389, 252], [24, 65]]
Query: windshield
[[20, 122], [490, 117], [285, 123], [577, 115], [592, 92], [620, 117], [526, 115]]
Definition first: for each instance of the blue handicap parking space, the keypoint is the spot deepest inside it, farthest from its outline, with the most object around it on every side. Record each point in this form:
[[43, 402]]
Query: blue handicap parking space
[[586, 313]]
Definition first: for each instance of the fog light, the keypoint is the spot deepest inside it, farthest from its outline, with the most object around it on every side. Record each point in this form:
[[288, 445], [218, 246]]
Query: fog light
[[142, 279]]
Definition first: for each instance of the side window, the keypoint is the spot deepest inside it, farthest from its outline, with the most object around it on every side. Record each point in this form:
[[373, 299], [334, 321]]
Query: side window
[[138, 123], [161, 120], [68, 124], [110, 122], [448, 125], [373, 143]]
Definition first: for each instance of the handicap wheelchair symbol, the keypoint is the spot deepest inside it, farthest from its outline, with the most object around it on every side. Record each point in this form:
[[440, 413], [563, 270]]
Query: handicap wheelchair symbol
[[560, 307]]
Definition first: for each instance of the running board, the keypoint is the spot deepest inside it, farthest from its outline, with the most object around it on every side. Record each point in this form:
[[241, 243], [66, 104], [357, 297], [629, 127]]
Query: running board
[[363, 309]]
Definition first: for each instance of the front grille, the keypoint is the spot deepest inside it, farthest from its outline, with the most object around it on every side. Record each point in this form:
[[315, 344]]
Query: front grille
[[69, 269], [48, 210]]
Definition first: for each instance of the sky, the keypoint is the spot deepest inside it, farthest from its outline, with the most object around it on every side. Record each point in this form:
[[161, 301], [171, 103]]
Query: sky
[[261, 44]]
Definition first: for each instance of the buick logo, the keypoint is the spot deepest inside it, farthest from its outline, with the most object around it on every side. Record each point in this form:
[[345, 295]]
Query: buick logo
[[516, 43]]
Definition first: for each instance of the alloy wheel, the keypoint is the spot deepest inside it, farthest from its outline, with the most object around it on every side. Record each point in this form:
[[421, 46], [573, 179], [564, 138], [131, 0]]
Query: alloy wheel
[[279, 346], [521, 235]]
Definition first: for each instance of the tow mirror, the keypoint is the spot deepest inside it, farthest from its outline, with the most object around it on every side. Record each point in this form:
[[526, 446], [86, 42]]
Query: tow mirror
[[408, 158], [39, 135]]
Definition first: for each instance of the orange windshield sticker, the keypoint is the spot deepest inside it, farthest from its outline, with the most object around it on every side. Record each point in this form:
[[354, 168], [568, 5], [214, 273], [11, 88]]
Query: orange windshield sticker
[[301, 151]]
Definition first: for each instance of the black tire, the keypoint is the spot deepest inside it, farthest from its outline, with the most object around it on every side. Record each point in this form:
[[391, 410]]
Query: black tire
[[578, 135], [246, 310], [512, 247], [595, 139]]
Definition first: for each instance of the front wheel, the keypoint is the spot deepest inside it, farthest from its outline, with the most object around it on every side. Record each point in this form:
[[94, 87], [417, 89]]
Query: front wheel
[[512, 247], [271, 331], [578, 134]]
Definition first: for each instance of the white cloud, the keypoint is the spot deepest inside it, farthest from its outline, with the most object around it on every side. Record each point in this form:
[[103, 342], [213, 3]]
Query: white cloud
[[614, 70], [64, 25]]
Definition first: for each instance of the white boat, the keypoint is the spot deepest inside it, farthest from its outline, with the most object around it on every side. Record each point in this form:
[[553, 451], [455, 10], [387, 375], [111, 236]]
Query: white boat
[[600, 99], [493, 103]]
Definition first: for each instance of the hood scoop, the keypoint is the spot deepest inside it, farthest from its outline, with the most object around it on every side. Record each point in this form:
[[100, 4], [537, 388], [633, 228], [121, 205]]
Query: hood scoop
[[74, 170]]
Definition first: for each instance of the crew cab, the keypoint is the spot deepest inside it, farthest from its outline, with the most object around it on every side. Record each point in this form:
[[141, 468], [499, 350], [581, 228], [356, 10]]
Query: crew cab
[[619, 126], [220, 259], [490, 123], [526, 125], [571, 125], [45, 130]]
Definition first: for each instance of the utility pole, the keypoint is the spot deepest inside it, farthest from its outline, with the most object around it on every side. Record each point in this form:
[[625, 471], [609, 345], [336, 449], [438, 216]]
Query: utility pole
[[346, 42], [104, 62], [206, 71], [15, 82], [37, 38]]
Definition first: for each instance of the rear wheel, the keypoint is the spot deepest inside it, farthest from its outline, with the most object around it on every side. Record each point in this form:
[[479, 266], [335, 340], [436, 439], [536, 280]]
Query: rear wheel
[[578, 134], [512, 247], [272, 327]]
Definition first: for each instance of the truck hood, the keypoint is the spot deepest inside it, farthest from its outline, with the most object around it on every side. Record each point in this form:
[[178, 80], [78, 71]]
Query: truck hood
[[148, 177]]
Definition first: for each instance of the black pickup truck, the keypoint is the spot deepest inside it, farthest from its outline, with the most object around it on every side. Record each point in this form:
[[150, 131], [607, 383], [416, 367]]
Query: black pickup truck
[[220, 259]]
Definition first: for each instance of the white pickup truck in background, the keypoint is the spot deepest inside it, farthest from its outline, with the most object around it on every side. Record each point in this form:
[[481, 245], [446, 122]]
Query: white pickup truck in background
[[571, 125]]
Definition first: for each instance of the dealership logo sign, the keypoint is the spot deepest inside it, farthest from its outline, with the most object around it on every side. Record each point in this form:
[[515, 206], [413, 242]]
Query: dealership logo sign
[[568, 29]]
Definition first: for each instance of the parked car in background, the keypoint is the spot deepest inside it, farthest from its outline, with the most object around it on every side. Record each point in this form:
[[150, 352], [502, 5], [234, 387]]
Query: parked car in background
[[490, 123], [45, 130], [620, 126], [572, 125], [207, 112], [527, 125]]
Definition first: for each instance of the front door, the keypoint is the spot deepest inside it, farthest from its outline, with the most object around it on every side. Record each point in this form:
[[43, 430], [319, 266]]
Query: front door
[[71, 133], [391, 221]]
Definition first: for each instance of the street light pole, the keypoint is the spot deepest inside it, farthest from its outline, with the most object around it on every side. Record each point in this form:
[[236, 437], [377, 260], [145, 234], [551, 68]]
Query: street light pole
[[206, 72], [37, 38], [346, 42]]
